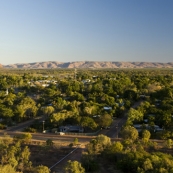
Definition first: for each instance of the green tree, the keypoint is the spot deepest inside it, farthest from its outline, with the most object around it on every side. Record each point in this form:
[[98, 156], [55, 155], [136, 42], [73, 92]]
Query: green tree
[[88, 122], [129, 133], [104, 120], [134, 115], [20, 112], [9, 99], [59, 103], [130, 94], [87, 110], [146, 136], [58, 118], [116, 147], [6, 113], [76, 141], [25, 155], [103, 140], [6, 140], [48, 110], [41, 169], [26, 108], [23, 138], [169, 143], [24, 162], [7, 169], [49, 142], [98, 144], [74, 167], [89, 162], [13, 162], [147, 165], [112, 152]]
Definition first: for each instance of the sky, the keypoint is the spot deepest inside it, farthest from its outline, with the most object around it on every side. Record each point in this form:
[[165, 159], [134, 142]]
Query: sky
[[86, 30]]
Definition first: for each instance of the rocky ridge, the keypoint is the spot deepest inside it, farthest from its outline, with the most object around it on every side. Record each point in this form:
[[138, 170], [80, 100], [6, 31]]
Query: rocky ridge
[[88, 64]]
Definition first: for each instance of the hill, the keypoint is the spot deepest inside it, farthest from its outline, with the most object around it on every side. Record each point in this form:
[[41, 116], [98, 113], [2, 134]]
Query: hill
[[89, 64]]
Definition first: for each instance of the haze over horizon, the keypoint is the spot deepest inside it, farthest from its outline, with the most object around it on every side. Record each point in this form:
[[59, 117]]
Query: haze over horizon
[[92, 30]]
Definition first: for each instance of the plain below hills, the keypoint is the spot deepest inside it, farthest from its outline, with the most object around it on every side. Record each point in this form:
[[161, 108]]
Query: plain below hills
[[88, 64]]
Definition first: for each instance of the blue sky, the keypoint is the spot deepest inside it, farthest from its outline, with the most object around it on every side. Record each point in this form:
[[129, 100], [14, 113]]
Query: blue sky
[[86, 30]]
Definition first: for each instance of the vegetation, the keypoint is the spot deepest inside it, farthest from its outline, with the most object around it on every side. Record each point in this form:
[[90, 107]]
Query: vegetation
[[91, 99], [128, 156], [15, 156], [74, 167]]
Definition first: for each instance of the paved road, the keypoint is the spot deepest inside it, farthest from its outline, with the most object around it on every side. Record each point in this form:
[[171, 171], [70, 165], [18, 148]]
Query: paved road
[[21, 126], [113, 132], [115, 128]]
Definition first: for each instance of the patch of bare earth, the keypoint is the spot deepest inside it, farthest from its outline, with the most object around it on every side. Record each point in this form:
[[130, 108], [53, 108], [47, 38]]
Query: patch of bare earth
[[48, 156]]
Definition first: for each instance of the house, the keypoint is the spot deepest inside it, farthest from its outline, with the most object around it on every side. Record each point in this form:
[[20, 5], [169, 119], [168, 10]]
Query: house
[[86, 81], [139, 127], [6, 92], [45, 85], [69, 128], [96, 116], [106, 108]]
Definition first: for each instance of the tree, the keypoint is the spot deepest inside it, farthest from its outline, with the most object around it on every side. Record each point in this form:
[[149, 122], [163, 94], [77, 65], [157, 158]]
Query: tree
[[129, 133], [26, 108], [6, 140], [87, 110], [25, 155], [166, 120], [41, 169], [97, 87], [98, 144], [103, 140], [7, 168], [146, 136], [58, 117], [49, 142], [9, 99], [116, 147], [20, 112], [147, 165], [143, 107], [24, 159], [50, 92], [104, 120], [89, 162], [130, 94], [59, 103], [169, 143], [48, 110], [23, 138], [153, 87], [79, 97], [75, 142], [88, 122], [113, 151], [6, 113], [134, 115], [13, 162], [74, 167]]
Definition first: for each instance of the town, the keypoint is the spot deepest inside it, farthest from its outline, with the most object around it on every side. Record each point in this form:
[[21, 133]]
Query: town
[[109, 112]]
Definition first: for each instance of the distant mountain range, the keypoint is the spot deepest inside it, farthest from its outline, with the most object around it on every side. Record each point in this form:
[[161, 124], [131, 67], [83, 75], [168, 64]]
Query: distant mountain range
[[88, 64]]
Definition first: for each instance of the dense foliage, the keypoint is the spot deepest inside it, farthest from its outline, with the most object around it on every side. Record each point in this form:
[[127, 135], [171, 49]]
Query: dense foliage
[[15, 155], [92, 99], [67, 95]]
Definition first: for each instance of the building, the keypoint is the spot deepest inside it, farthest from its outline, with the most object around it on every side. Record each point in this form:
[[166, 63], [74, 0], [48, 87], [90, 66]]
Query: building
[[77, 129]]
